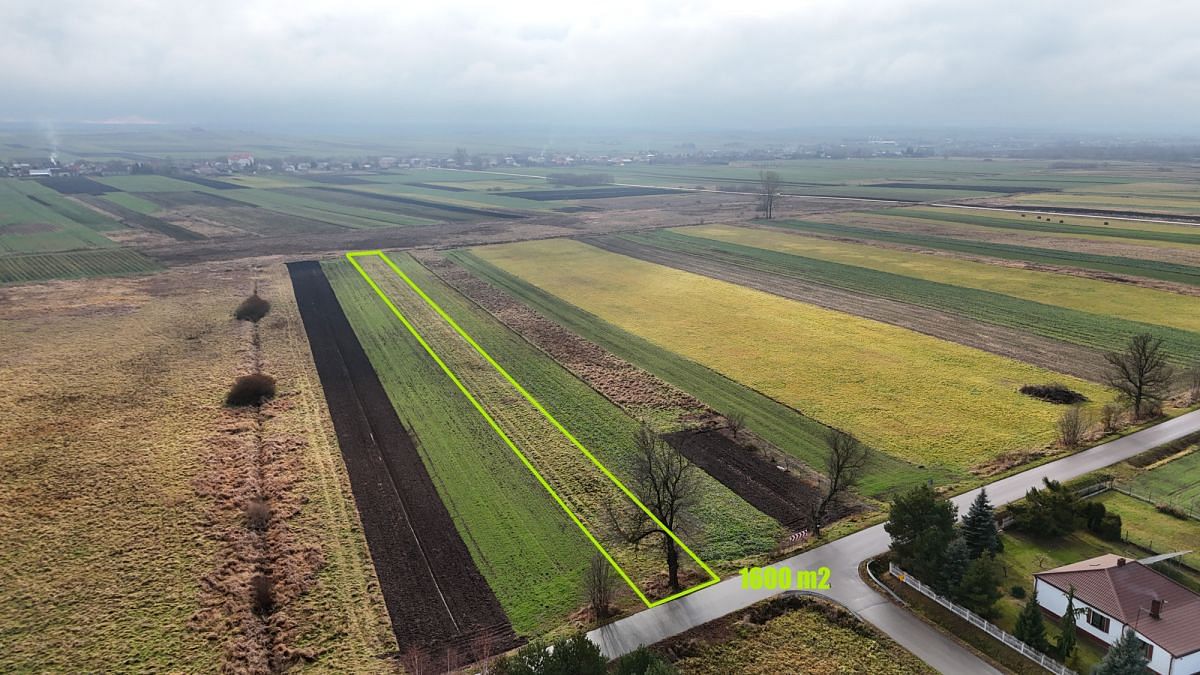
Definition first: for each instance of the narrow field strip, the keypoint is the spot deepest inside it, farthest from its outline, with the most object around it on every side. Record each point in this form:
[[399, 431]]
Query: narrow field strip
[[1151, 269], [353, 258]]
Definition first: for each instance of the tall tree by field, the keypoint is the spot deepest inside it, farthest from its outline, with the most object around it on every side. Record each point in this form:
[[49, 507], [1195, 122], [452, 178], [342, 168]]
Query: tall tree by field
[[1064, 647], [979, 528], [768, 192], [1140, 374], [1031, 629], [666, 483], [1124, 657], [980, 586], [845, 459], [922, 528]]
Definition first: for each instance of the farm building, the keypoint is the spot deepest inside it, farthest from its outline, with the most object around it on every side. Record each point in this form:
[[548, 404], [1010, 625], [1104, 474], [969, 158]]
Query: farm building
[[1115, 593]]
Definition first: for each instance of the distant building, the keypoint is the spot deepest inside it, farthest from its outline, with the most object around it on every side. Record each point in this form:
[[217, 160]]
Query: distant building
[[1116, 593], [388, 162], [241, 160]]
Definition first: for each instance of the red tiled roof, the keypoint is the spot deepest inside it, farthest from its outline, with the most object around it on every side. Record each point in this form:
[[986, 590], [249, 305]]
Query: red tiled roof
[[1124, 592]]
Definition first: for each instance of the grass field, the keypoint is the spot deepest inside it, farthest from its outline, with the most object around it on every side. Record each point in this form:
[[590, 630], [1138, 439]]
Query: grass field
[[132, 202], [1130, 303], [530, 552], [27, 226], [1177, 481], [1157, 531], [106, 537], [1177, 204], [1151, 269], [783, 426], [74, 264], [873, 379]]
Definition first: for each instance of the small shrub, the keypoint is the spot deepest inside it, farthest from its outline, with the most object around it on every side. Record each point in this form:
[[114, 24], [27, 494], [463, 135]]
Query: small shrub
[[1017, 592], [1172, 510], [252, 309], [1054, 393], [262, 597], [251, 390], [1110, 527], [1110, 418]]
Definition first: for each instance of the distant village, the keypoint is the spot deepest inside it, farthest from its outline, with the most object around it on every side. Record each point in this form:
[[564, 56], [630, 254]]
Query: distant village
[[248, 163]]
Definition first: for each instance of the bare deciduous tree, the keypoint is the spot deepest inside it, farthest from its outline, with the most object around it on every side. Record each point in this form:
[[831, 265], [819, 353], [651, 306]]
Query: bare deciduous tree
[[1140, 374], [768, 192], [844, 464], [1072, 427], [665, 481], [736, 422], [600, 582]]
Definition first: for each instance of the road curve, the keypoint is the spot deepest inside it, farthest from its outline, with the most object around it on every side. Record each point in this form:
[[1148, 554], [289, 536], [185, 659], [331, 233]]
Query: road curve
[[844, 555]]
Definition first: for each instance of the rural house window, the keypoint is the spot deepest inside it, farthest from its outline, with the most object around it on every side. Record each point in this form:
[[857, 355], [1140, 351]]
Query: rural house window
[[1147, 649], [1097, 619]]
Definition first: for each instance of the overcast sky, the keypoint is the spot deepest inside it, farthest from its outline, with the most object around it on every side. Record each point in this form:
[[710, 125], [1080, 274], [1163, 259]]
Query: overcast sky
[[1059, 64]]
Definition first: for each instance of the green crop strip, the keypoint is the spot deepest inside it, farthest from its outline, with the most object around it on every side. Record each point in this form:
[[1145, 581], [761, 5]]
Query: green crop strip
[[353, 258], [1152, 269], [1101, 332]]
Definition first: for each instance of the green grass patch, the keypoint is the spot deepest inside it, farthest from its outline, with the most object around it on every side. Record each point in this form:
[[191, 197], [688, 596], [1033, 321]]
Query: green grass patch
[[132, 202], [1176, 481], [74, 265], [1155, 530]]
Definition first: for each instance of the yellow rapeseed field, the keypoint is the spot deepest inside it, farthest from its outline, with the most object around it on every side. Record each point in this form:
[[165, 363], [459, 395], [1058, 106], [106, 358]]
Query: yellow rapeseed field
[[1098, 297], [920, 398]]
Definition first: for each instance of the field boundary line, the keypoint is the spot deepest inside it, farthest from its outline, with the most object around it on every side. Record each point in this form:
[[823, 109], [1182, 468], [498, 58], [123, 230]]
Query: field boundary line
[[713, 578]]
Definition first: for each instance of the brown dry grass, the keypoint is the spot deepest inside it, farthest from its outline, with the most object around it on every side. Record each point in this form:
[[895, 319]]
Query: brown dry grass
[[104, 537]]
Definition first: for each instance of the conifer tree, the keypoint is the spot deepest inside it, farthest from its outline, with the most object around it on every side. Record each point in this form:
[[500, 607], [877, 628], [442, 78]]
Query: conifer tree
[[954, 566], [1126, 656], [1065, 646], [979, 528], [1030, 628], [979, 589]]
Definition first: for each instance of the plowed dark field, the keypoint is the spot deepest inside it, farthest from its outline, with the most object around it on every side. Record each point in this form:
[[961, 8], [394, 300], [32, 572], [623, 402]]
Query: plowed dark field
[[435, 595], [780, 494]]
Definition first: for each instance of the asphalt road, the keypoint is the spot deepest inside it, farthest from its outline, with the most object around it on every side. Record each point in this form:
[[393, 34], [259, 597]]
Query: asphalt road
[[844, 555]]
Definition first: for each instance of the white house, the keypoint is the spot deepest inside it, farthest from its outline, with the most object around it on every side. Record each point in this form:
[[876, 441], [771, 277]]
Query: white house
[[1114, 593]]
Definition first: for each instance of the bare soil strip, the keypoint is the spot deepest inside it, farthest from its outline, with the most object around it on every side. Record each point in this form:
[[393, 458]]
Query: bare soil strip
[[1052, 354], [782, 495], [779, 493], [434, 593]]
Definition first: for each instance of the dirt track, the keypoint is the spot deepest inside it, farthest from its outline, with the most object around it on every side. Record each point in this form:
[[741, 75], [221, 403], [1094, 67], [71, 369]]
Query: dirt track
[[1052, 354], [434, 593]]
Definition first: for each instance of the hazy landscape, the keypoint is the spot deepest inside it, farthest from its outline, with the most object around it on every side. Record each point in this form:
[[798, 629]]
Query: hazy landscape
[[516, 388]]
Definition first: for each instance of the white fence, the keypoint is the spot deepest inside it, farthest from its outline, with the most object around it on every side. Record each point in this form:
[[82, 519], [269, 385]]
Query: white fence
[[983, 624]]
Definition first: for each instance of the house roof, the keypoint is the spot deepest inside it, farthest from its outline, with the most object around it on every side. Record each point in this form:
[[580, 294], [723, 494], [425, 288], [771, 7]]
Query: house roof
[[1123, 589]]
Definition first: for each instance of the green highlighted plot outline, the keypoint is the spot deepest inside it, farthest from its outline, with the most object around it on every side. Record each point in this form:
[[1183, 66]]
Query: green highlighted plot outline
[[353, 258]]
